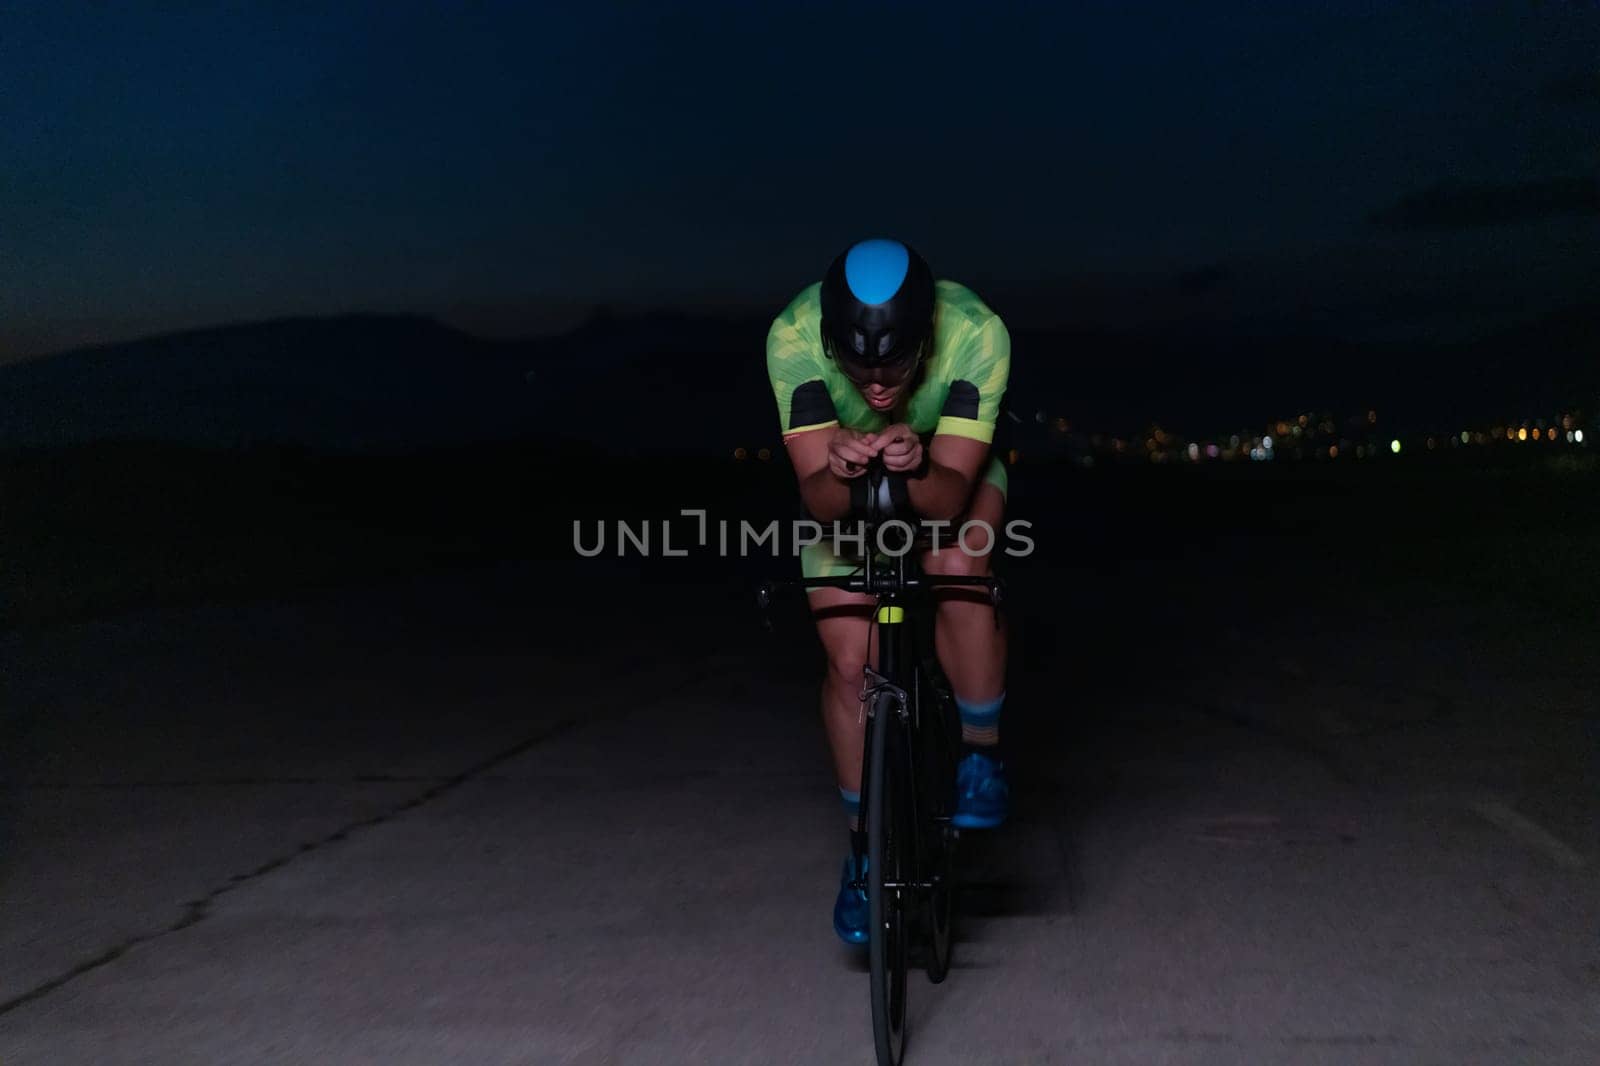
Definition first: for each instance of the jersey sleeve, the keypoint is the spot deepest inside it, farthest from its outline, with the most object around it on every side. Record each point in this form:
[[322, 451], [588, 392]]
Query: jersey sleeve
[[978, 383], [797, 381]]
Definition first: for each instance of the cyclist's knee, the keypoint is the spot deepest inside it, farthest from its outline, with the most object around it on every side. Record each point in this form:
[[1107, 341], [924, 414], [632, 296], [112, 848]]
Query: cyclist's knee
[[845, 670], [969, 558]]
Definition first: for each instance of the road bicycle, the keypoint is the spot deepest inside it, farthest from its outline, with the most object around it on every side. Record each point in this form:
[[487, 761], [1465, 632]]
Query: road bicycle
[[908, 781]]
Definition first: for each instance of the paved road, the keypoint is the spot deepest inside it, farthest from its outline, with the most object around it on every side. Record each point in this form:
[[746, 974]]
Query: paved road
[[425, 823]]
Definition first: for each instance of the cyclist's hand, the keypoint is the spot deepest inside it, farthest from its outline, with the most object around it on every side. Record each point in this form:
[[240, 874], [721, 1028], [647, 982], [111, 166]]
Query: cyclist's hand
[[900, 447], [849, 452]]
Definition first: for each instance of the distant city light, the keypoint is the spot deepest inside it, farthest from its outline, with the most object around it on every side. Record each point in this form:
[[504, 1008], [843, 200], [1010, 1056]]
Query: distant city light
[[1300, 437], [1372, 416], [740, 454], [764, 454]]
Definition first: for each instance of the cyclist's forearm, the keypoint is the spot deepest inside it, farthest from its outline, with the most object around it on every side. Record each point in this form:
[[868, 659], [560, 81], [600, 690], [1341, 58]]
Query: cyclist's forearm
[[941, 493], [827, 499]]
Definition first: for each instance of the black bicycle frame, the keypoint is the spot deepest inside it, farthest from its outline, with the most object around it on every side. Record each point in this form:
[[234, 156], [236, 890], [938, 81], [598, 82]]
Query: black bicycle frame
[[893, 582]]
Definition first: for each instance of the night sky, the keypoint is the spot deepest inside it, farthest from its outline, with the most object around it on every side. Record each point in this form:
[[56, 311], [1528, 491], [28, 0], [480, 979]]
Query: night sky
[[1383, 168]]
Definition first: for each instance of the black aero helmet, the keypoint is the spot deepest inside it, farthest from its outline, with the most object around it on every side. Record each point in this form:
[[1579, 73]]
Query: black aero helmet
[[877, 305]]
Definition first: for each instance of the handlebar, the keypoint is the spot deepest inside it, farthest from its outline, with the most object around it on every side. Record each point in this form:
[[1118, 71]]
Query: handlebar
[[880, 495], [885, 580]]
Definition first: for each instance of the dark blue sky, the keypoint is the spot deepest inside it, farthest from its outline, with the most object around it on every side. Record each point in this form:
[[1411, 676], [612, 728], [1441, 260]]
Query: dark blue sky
[[502, 165]]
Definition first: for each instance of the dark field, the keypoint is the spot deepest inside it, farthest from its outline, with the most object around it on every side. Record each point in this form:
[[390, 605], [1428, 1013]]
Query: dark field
[[118, 526]]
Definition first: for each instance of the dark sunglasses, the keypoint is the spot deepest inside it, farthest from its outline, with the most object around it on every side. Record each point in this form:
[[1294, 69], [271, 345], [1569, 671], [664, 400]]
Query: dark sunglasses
[[888, 375]]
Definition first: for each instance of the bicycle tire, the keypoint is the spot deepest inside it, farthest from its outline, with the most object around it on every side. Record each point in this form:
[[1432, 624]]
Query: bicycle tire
[[938, 744], [886, 861]]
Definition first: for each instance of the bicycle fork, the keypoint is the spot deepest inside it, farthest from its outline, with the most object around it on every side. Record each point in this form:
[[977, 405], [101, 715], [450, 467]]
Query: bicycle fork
[[880, 692]]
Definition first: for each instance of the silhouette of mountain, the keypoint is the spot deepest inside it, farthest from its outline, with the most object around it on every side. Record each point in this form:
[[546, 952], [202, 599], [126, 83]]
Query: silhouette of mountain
[[672, 382], [357, 383]]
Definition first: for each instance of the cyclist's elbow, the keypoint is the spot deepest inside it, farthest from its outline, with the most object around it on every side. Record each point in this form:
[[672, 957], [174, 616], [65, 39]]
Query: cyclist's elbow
[[824, 499]]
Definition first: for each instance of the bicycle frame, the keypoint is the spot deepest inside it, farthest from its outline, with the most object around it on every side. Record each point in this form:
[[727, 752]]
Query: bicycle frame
[[895, 680]]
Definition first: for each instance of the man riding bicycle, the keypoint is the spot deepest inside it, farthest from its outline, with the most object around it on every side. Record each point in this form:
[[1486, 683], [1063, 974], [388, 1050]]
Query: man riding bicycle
[[879, 360]]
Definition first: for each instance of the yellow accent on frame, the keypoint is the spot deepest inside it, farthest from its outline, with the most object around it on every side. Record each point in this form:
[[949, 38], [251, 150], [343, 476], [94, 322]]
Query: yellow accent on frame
[[891, 615]]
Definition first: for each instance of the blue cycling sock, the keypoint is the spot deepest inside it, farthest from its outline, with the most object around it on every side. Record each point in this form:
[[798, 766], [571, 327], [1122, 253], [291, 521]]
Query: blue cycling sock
[[980, 722], [852, 807]]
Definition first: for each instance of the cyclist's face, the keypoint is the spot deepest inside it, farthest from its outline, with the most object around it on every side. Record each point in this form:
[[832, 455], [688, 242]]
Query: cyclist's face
[[882, 385]]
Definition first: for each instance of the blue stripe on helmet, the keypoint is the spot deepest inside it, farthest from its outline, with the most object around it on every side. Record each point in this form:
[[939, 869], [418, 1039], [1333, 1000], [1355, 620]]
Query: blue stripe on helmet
[[875, 269]]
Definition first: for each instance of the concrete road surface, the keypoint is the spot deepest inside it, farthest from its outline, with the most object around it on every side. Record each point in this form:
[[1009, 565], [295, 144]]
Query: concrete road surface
[[487, 818]]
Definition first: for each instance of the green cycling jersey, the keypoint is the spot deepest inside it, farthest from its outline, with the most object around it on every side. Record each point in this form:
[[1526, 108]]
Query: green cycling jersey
[[961, 383]]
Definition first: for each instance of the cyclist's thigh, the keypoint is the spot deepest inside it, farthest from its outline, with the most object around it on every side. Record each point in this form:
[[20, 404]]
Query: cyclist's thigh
[[844, 627], [843, 617]]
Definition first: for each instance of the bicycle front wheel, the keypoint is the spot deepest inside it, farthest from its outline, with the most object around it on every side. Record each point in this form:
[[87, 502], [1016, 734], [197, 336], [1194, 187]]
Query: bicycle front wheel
[[888, 900], [937, 765]]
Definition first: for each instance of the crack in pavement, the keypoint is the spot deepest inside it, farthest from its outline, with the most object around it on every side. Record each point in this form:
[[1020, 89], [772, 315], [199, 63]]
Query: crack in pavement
[[197, 910]]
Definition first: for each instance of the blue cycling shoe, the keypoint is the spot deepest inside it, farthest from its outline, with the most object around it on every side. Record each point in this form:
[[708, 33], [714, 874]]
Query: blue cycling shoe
[[982, 795], [850, 909]]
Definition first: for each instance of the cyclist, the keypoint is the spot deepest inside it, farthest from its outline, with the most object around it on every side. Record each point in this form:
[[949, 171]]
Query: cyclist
[[879, 359]]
